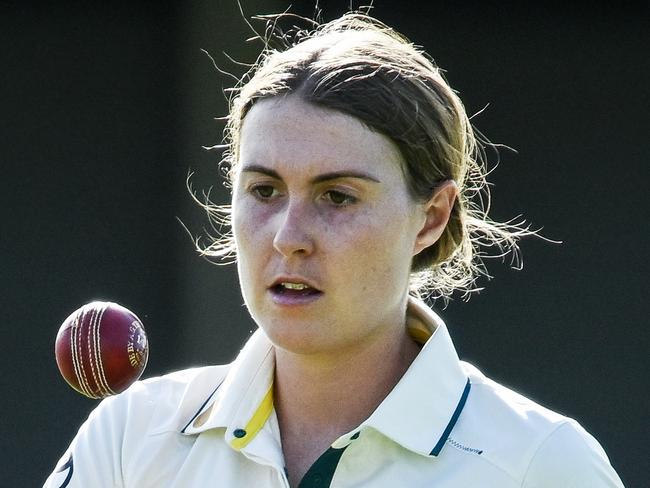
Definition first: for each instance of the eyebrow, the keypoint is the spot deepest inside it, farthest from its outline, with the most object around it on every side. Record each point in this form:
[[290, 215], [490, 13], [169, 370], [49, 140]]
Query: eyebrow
[[332, 175]]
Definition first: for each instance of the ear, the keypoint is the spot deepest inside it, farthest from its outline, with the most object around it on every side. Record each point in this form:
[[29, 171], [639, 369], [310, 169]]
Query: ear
[[436, 215]]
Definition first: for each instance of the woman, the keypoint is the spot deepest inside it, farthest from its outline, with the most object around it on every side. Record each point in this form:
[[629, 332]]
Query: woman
[[356, 186]]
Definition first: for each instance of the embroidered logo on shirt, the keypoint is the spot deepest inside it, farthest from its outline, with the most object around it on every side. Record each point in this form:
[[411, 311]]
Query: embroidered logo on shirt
[[461, 447]]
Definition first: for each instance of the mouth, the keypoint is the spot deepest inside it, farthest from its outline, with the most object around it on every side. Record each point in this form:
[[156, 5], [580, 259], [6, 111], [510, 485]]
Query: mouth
[[289, 293]]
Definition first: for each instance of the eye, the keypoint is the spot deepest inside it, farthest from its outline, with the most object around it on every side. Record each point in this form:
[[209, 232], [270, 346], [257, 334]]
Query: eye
[[340, 199], [263, 192]]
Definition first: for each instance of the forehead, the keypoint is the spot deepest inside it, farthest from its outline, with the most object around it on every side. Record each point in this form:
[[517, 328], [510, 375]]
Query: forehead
[[288, 133]]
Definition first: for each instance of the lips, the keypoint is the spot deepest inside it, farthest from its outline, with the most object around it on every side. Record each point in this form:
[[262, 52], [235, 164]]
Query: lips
[[292, 291]]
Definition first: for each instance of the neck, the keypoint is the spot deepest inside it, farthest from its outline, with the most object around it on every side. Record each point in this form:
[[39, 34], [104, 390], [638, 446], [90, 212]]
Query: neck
[[329, 396]]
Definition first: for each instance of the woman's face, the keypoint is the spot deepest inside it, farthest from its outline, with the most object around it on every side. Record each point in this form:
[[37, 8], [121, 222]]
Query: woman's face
[[324, 226]]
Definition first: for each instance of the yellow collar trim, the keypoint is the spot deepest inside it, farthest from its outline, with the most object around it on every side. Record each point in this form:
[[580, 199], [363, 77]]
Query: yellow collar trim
[[256, 422], [418, 331]]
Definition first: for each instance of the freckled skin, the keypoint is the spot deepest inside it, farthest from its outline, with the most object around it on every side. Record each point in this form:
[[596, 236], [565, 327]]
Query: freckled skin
[[358, 254]]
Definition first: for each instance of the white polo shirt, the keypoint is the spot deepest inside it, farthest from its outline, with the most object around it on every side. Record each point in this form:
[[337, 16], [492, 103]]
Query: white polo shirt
[[444, 425]]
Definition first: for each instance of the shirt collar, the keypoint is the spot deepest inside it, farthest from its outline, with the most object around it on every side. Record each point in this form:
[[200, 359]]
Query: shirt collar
[[419, 413], [244, 401]]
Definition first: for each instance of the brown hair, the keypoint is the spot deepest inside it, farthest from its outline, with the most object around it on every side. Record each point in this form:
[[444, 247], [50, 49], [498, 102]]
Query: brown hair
[[361, 67]]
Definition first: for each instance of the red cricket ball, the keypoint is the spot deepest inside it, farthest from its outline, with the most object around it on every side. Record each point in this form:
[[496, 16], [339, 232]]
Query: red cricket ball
[[101, 349]]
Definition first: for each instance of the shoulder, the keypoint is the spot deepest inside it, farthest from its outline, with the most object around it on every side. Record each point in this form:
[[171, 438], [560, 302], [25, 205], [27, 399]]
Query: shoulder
[[126, 429], [148, 407], [165, 402], [533, 444], [177, 384], [571, 457]]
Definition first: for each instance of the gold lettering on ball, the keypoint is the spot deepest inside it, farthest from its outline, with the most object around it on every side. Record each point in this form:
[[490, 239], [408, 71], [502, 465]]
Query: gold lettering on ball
[[137, 344]]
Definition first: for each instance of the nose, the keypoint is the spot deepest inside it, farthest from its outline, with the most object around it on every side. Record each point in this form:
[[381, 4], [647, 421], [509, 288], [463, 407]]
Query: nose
[[293, 237]]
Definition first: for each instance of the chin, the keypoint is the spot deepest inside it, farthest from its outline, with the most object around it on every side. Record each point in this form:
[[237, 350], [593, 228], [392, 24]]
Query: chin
[[300, 337]]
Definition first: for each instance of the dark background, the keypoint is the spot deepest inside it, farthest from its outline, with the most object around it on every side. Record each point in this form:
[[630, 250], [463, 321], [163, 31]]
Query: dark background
[[105, 110]]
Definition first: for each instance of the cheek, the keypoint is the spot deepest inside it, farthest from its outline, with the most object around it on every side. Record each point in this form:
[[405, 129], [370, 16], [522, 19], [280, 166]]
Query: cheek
[[249, 225], [248, 233], [249, 245], [374, 243]]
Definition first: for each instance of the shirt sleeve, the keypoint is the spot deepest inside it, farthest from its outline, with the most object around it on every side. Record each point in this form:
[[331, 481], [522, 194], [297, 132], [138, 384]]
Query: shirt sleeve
[[571, 458], [94, 456]]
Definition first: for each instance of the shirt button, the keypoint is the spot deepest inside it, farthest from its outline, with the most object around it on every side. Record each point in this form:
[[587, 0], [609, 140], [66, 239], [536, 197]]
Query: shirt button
[[318, 480], [239, 433]]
